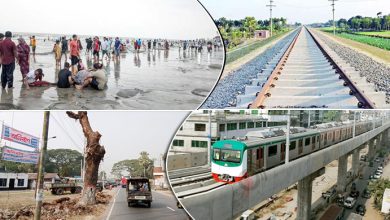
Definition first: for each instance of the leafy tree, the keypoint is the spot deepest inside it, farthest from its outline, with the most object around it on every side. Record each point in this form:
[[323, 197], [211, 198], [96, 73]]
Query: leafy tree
[[250, 25], [65, 162], [142, 166], [146, 163], [102, 175], [377, 189]]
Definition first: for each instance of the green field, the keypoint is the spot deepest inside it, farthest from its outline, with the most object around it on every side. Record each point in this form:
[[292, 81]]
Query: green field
[[376, 33], [240, 52], [373, 41], [364, 37]]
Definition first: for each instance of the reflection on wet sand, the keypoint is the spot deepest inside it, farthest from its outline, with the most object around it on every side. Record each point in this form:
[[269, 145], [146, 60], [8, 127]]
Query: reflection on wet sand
[[153, 79]]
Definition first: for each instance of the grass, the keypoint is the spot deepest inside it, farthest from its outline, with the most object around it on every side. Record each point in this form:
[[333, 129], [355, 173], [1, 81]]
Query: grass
[[373, 41], [240, 52], [365, 37], [376, 33]]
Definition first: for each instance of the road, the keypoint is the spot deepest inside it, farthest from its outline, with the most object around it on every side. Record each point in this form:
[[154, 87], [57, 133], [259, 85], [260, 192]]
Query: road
[[163, 208], [361, 184]]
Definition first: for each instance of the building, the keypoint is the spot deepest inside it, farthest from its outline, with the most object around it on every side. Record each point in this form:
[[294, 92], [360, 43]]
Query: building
[[160, 179], [262, 34], [12, 181], [47, 179], [193, 135]]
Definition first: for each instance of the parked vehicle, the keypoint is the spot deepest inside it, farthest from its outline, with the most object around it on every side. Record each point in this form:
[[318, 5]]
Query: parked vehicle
[[366, 193], [361, 210], [377, 176], [354, 193], [329, 193], [64, 185], [349, 202], [138, 191], [99, 186], [334, 212]]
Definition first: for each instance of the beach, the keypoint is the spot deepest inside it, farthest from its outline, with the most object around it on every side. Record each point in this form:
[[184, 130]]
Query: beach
[[156, 79]]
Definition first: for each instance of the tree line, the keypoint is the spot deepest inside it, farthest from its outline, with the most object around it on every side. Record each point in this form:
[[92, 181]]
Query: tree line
[[358, 22], [65, 162], [235, 32], [141, 166]]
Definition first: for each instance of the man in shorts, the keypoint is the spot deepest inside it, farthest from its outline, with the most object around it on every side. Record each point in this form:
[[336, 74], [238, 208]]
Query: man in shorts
[[74, 53], [105, 49]]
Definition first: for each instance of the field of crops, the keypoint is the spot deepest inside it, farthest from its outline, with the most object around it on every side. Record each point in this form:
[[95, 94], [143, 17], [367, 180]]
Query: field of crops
[[376, 33], [373, 41]]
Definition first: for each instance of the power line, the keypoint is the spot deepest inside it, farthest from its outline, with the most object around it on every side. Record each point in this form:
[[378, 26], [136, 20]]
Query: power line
[[66, 132], [334, 23], [270, 14]]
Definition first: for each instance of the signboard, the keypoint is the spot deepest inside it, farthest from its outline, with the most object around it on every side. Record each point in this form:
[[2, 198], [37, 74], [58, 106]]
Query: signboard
[[19, 137], [21, 156], [386, 201]]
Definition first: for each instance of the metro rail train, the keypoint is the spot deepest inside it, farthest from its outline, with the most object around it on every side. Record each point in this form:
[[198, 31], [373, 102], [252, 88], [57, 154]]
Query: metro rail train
[[234, 160]]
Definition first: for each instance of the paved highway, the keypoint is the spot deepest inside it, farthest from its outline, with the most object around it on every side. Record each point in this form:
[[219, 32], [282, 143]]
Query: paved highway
[[163, 208]]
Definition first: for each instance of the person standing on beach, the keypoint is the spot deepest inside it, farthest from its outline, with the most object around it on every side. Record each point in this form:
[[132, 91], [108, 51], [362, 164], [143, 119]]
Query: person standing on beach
[[8, 54], [33, 43], [89, 45], [57, 52], [23, 56], [105, 49], [117, 48], [1, 39], [64, 48], [96, 49], [74, 53]]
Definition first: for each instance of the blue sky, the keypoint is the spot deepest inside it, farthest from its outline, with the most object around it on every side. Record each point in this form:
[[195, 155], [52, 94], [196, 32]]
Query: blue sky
[[303, 11]]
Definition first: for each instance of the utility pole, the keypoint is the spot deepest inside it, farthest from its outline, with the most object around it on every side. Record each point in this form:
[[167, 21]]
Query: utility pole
[[270, 15], [41, 170], [354, 124], [287, 159], [334, 22], [308, 119], [209, 140]]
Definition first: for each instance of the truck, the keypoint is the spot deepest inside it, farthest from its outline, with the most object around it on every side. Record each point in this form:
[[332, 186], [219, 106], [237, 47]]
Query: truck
[[65, 185], [138, 191]]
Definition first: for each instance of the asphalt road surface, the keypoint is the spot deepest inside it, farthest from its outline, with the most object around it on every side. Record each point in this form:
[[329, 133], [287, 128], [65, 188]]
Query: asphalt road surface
[[361, 184], [163, 208]]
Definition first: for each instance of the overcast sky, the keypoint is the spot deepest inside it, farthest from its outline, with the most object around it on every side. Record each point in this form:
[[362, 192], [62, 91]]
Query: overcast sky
[[303, 11], [124, 134], [173, 19]]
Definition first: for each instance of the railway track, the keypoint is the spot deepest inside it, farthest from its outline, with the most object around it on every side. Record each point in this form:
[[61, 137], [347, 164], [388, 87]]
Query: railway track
[[307, 74], [190, 181]]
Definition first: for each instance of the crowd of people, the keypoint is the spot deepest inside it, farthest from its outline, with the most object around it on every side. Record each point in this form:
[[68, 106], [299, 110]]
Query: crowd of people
[[73, 74]]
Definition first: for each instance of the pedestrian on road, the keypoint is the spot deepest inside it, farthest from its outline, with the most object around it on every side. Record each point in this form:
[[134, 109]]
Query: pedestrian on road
[[24, 56], [8, 54]]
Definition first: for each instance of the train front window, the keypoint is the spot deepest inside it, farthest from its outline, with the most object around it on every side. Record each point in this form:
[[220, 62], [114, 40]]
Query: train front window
[[227, 155]]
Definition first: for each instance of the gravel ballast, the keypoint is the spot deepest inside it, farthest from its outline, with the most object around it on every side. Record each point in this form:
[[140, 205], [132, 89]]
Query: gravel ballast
[[227, 89]]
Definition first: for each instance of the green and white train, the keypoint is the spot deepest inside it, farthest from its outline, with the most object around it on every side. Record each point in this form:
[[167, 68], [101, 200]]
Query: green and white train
[[234, 160]]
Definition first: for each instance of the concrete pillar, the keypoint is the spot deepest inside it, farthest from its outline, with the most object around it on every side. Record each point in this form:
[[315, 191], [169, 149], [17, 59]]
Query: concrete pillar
[[355, 161], [342, 174], [304, 198], [371, 149]]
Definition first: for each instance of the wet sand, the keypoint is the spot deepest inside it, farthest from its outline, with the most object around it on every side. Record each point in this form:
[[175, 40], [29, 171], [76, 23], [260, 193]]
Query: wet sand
[[149, 80]]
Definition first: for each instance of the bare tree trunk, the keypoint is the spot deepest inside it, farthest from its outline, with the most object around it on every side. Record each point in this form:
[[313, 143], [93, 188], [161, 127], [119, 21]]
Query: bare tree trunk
[[94, 153]]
